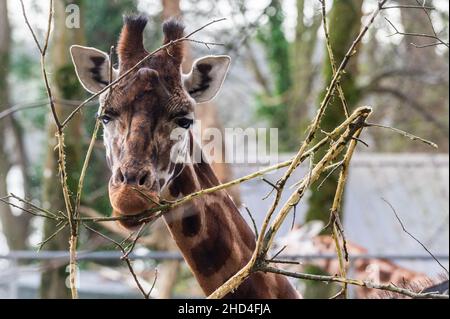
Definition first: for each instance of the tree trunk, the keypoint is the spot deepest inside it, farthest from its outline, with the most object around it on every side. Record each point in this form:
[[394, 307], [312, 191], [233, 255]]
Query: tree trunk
[[15, 228], [5, 39], [275, 107], [344, 24], [304, 73], [65, 85]]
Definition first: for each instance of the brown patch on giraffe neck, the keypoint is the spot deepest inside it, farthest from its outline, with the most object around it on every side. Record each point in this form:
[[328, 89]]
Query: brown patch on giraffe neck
[[212, 252], [191, 222], [184, 183]]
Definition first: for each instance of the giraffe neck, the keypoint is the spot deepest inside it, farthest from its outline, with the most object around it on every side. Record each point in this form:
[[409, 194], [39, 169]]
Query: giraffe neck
[[214, 238]]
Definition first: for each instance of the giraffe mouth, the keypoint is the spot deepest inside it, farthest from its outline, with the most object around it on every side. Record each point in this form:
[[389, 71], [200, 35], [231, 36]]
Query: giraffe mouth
[[132, 207], [134, 221]]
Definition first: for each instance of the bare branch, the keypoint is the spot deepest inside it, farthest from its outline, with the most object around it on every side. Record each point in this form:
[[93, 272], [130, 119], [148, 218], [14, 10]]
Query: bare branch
[[421, 109], [255, 228], [127, 261], [419, 35], [426, 10], [370, 285], [331, 57], [405, 134], [414, 237], [409, 7], [30, 28]]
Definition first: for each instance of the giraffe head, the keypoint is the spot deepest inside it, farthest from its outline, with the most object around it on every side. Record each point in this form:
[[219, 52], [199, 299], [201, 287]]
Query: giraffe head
[[148, 115]]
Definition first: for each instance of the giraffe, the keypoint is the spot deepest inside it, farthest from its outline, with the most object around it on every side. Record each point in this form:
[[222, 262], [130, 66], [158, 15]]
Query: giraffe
[[306, 239], [150, 146]]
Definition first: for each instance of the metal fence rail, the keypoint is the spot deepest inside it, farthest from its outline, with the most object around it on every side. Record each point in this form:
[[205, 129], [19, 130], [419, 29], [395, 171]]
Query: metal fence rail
[[169, 255]]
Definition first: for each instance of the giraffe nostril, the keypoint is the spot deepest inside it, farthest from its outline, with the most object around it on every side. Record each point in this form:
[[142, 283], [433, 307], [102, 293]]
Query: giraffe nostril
[[143, 179], [120, 177]]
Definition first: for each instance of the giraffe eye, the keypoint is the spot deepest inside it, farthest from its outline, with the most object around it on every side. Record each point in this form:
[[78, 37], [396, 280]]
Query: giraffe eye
[[185, 122], [105, 119]]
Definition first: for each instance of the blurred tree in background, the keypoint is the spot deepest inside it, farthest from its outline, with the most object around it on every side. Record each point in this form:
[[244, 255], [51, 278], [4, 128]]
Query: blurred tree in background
[[5, 40], [15, 227], [103, 21], [304, 73], [274, 107]]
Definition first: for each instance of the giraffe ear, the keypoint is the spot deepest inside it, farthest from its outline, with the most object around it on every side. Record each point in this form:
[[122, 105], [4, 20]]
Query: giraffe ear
[[206, 77], [92, 67]]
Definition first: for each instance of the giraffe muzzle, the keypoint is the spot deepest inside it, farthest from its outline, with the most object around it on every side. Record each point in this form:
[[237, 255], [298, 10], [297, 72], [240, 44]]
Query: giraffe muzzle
[[128, 200]]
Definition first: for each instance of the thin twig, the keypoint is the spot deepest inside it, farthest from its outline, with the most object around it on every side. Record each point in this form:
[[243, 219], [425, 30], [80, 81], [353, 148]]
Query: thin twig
[[287, 262], [8, 111], [418, 35], [334, 169], [405, 134], [426, 10], [5, 201], [331, 57], [414, 237], [409, 7], [60, 146], [278, 253], [336, 208], [133, 243], [45, 241], [255, 228], [30, 204], [274, 187], [126, 259], [30, 28]]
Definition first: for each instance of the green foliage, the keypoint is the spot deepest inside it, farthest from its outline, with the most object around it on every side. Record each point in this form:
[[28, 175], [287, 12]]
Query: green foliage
[[24, 67], [68, 83], [277, 48], [103, 21], [35, 173]]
